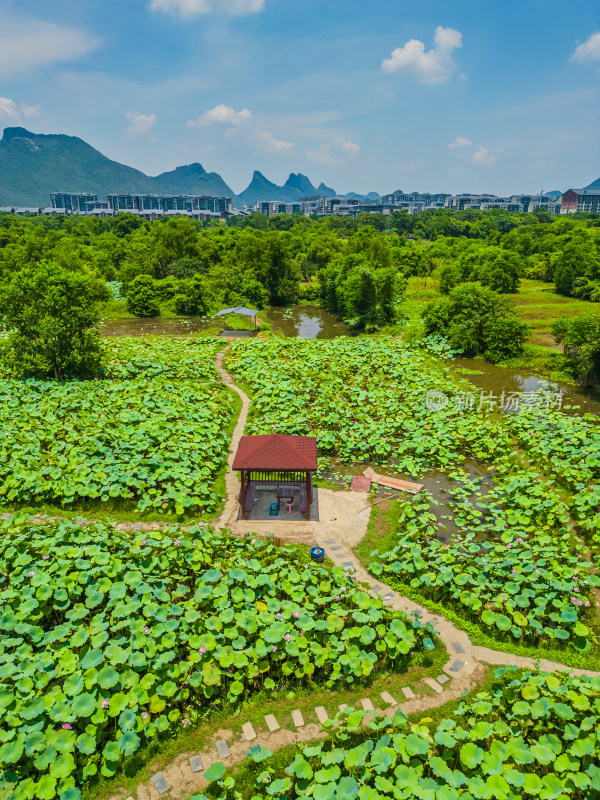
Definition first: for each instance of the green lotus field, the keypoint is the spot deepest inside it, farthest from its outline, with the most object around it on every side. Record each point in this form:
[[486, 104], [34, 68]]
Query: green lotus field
[[533, 734], [107, 640]]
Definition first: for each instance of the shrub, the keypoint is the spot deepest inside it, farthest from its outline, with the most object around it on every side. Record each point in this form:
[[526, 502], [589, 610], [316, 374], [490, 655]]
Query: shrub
[[143, 297], [476, 320]]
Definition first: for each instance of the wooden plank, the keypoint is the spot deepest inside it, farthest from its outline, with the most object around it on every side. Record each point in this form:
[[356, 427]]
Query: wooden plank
[[393, 483]]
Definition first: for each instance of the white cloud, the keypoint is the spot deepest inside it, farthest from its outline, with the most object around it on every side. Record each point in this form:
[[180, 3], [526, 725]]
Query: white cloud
[[27, 45], [333, 153], [460, 141], [221, 115], [10, 112], [588, 50], [194, 8], [241, 127], [483, 157], [139, 123], [271, 144], [430, 66]]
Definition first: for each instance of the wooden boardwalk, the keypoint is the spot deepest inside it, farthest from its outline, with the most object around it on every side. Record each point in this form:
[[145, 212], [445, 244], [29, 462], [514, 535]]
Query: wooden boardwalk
[[393, 483]]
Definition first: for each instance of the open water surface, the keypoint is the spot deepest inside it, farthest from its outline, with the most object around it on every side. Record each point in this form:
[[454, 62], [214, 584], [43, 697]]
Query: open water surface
[[303, 321]]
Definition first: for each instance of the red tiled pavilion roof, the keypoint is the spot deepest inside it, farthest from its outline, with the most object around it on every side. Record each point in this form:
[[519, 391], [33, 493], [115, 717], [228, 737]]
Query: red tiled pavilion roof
[[276, 451]]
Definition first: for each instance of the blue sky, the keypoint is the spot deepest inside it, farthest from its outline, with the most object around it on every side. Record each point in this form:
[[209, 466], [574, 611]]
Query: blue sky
[[499, 96]]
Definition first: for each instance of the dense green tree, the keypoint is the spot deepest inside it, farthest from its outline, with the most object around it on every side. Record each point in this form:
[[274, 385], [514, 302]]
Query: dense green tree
[[143, 297], [477, 321], [580, 337], [51, 316]]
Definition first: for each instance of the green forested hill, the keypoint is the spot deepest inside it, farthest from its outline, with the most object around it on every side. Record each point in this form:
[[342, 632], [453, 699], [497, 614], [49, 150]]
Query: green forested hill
[[32, 165]]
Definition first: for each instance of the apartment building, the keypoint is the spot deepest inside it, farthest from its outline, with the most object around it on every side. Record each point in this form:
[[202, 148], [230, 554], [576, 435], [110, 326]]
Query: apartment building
[[580, 200], [73, 203]]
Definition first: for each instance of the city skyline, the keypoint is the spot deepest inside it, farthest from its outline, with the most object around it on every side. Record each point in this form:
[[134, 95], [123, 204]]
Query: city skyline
[[476, 98]]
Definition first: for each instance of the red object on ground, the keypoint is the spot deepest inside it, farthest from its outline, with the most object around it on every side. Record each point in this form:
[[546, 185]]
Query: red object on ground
[[360, 483]]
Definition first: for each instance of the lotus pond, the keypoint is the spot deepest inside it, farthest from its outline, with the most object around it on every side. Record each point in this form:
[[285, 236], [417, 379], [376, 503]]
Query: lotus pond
[[152, 435], [517, 565], [107, 642], [532, 734]]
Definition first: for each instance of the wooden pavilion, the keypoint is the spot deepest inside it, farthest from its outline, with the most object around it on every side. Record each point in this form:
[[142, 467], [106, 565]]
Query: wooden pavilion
[[285, 462], [245, 312]]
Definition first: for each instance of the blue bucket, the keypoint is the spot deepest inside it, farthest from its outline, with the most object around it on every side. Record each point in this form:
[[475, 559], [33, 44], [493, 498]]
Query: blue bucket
[[317, 554]]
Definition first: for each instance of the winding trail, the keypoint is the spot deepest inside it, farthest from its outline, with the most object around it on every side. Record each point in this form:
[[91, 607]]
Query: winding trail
[[465, 667]]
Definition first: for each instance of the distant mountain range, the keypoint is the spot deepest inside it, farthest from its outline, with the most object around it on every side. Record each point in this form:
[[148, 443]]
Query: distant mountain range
[[33, 164]]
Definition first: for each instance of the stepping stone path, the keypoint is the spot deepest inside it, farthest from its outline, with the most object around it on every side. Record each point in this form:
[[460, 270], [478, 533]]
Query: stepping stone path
[[457, 647], [196, 763], [408, 693], [321, 714], [297, 718], [160, 782], [223, 749], [434, 685], [272, 723], [387, 698], [248, 731], [442, 678], [367, 704], [342, 706], [457, 666]]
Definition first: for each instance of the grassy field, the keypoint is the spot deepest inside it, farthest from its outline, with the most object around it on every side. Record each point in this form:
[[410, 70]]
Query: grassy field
[[537, 303]]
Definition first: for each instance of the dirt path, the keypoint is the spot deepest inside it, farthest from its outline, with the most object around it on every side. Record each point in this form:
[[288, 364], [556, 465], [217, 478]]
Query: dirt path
[[340, 527]]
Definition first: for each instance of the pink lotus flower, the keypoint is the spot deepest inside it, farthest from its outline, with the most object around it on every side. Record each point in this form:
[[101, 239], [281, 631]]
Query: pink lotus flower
[[143, 543], [146, 629], [337, 597], [144, 715], [296, 614], [177, 542], [66, 726], [45, 556], [202, 650], [105, 703], [288, 637], [274, 648]]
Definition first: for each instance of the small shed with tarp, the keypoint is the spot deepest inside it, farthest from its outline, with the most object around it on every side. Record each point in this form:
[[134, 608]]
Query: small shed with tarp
[[285, 463], [245, 312]]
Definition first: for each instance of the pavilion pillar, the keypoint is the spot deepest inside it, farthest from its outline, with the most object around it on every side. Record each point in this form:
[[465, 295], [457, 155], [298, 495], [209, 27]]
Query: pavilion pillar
[[243, 492], [308, 497]]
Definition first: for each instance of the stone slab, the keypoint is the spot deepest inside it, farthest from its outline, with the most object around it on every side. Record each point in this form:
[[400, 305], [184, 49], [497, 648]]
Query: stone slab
[[248, 731], [297, 718], [321, 713], [408, 693], [457, 666], [442, 678], [160, 782], [196, 763], [433, 685], [377, 587], [339, 547], [272, 723], [360, 483], [367, 704], [387, 698], [457, 647], [223, 749], [342, 706]]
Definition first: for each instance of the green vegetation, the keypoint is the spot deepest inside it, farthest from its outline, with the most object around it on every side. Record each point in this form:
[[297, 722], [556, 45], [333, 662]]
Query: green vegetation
[[517, 566], [154, 437], [531, 734], [50, 314], [363, 399], [528, 582], [477, 321], [107, 640], [580, 337]]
